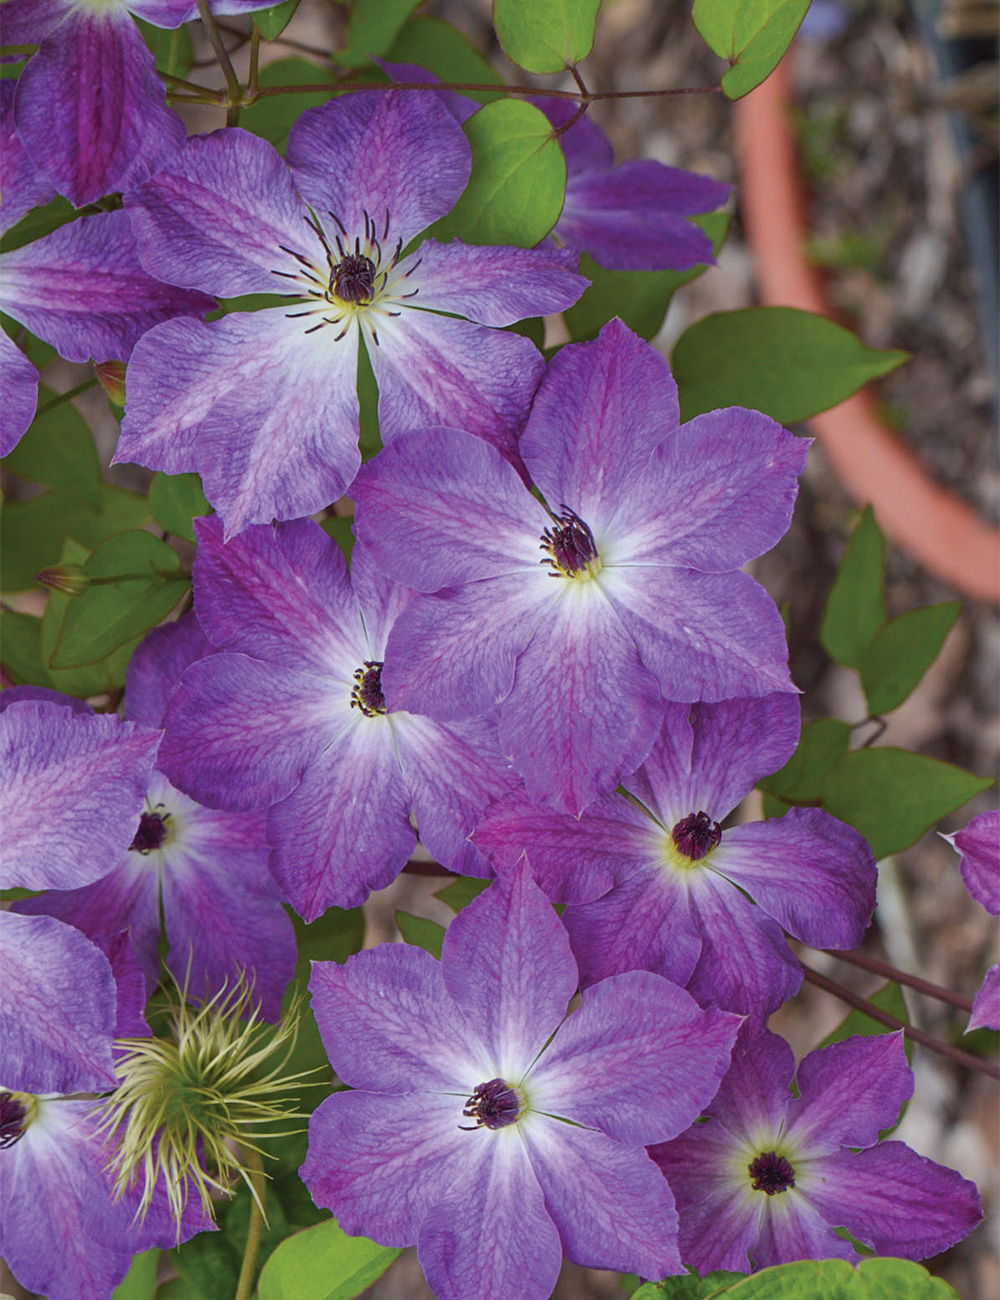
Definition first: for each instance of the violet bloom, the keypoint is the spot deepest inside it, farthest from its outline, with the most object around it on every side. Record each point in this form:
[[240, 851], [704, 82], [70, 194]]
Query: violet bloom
[[656, 884], [637, 595], [770, 1176], [264, 404], [205, 871], [293, 716], [80, 288], [632, 217], [979, 845], [488, 1127]]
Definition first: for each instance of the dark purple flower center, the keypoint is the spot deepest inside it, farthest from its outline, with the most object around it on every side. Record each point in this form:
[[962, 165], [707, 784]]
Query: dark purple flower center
[[570, 545], [771, 1173], [13, 1114], [353, 278], [367, 693], [151, 833], [492, 1105], [695, 835]]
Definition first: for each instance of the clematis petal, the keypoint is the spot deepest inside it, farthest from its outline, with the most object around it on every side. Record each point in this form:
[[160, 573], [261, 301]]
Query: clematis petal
[[344, 830], [398, 155], [706, 636], [387, 1023], [28, 22], [979, 845], [239, 736], [20, 388], [90, 106], [380, 599], [755, 1094], [790, 1229], [986, 1004], [58, 1000], [157, 664], [566, 703], [644, 923], [716, 493], [265, 413], [612, 1207], [639, 1060], [507, 964], [130, 987], [83, 290], [495, 285], [745, 963], [892, 1199], [216, 217], [815, 875], [849, 1092], [437, 370], [491, 1235], [72, 791], [467, 515], [22, 187], [603, 408]]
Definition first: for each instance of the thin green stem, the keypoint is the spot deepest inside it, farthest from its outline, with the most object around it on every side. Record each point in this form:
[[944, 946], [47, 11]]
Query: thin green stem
[[888, 972], [254, 63], [348, 87], [244, 1287], [67, 396], [228, 71]]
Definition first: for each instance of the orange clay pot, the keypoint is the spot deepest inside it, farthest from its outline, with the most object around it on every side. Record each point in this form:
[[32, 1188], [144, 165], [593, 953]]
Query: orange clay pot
[[937, 529]]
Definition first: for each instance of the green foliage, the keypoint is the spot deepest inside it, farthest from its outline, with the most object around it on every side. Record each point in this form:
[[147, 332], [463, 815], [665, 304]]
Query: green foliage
[[855, 607], [421, 933], [140, 1281], [136, 581], [372, 29], [176, 500], [856, 1024], [21, 654], [272, 22], [461, 892], [690, 1287], [801, 780], [892, 796], [515, 193], [323, 1263], [369, 435], [170, 48], [434, 44], [38, 222], [58, 451], [830, 1279], [272, 116], [342, 532], [751, 34], [639, 298], [545, 35], [898, 655], [788, 363]]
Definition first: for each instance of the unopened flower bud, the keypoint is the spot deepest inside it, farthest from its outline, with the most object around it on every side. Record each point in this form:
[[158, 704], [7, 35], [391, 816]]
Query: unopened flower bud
[[69, 579], [111, 375]]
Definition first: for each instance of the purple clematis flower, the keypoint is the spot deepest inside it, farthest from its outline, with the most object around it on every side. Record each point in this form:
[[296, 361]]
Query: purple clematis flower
[[264, 404], [979, 845], [80, 288], [293, 716], [205, 870], [487, 1126], [637, 595], [769, 1177], [633, 217], [64, 1234], [655, 884]]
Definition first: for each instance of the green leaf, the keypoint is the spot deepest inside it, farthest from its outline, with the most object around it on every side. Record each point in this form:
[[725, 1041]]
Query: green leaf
[[800, 781], [101, 678], [148, 583], [20, 650], [58, 451], [273, 116], [788, 363], [421, 933], [341, 530], [689, 1287], [176, 500], [179, 1288], [32, 532], [272, 22], [835, 1279], [434, 44], [38, 222], [139, 1282], [369, 433], [515, 193], [855, 608], [545, 35], [323, 1263], [170, 48], [372, 28], [892, 796], [209, 1264], [897, 657], [639, 298], [461, 892], [751, 34]]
